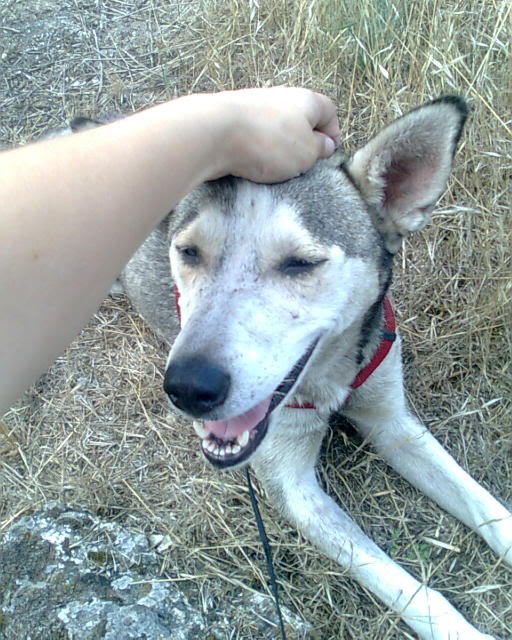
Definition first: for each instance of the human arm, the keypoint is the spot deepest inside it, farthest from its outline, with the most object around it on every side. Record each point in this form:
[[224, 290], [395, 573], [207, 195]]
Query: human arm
[[73, 210]]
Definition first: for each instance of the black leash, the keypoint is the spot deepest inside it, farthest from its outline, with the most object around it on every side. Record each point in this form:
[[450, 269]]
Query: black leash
[[268, 551]]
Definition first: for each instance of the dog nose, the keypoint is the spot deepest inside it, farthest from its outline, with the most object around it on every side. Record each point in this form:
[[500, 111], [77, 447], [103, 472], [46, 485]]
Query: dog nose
[[196, 385]]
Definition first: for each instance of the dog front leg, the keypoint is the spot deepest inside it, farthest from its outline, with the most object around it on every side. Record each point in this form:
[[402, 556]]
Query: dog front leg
[[286, 469], [416, 455]]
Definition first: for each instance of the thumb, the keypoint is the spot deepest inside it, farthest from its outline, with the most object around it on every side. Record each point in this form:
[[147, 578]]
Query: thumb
[[325, 145]]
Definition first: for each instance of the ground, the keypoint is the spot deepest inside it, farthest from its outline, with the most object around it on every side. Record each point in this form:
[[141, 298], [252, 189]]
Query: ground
[[96, 431]]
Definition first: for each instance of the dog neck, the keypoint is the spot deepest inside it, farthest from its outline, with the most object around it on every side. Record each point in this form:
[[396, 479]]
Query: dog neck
[[368, 354]]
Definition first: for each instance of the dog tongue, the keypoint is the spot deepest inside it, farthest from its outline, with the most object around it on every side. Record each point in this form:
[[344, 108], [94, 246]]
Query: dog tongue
[[230, 429]]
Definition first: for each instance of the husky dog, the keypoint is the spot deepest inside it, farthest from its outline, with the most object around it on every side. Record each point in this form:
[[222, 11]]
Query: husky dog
[[284, 318]]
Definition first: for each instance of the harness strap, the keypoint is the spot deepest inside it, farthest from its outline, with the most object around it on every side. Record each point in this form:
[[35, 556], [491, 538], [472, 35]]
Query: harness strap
[[388, 337]]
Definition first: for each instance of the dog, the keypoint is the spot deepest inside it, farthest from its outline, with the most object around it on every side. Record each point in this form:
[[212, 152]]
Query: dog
[[284, 314]]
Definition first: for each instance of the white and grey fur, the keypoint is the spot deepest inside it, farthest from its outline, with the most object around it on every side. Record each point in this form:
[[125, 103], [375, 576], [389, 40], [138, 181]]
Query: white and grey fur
[[269, 273]]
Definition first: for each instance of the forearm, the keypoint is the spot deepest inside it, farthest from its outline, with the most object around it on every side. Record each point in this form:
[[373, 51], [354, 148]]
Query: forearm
[[73, 210], [114, 184]]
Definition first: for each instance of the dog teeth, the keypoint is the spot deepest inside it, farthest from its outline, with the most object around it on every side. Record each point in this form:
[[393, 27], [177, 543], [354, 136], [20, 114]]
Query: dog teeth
[[243, 438], [208, 445], [199, 429], [228, 449], [221, 450]]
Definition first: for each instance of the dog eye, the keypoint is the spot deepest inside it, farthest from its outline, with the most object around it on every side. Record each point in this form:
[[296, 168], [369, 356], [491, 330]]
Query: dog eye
[[294, 266], [190, 255]]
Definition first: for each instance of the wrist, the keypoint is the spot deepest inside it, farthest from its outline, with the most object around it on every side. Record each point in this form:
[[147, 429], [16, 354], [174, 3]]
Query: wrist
[[212, 119]]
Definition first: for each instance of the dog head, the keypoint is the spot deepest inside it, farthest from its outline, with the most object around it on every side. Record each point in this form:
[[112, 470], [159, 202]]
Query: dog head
[[272, 276]]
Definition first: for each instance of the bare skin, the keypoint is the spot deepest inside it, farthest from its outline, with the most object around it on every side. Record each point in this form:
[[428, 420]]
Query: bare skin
[[73, 210]]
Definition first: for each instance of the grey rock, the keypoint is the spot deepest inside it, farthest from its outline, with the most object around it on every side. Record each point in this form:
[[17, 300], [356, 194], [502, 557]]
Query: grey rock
[[69, 575]]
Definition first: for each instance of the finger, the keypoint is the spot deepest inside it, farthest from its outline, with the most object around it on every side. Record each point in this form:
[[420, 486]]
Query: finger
[[325, 118], [325, 145]]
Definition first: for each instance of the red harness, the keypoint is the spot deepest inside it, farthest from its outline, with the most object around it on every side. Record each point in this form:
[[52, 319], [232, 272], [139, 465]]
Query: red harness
[[388, 337]]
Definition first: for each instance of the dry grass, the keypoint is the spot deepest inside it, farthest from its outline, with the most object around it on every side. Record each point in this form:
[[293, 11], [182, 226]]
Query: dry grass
[[95, 430]]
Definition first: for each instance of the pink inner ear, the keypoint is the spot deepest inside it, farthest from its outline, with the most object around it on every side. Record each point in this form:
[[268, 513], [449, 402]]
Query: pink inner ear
[[408, 184]]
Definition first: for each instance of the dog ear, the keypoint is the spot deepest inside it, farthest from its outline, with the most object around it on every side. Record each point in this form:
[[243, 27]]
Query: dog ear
[[403, 170]]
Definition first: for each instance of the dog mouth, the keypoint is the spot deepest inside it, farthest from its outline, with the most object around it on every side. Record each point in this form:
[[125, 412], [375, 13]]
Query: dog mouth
[[226, 443]]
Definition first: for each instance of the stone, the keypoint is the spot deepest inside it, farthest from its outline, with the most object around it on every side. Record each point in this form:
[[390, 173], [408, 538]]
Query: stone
[[70, 575]]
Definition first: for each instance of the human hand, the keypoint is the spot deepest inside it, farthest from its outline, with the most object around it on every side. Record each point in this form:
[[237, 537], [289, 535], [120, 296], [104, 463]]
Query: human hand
[[270, 135]]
